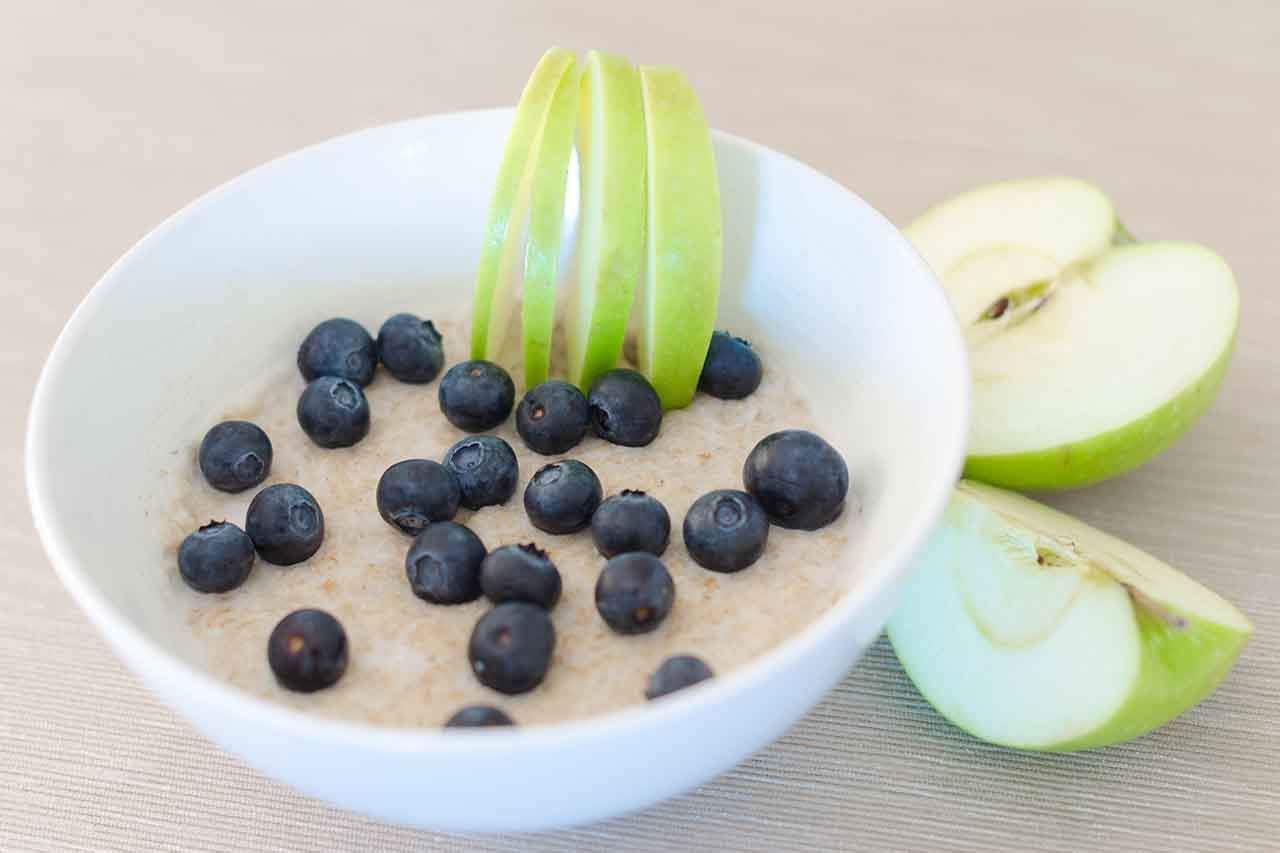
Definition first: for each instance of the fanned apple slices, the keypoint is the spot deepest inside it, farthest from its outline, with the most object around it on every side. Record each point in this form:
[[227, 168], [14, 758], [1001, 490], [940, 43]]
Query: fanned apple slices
[[649, 214]]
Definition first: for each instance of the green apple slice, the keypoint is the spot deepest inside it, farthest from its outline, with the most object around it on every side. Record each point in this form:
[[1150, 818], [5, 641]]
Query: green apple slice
[[1090, 353], [546, 218], [611, 214], [502, 253], [681, 285], [1031, 629]]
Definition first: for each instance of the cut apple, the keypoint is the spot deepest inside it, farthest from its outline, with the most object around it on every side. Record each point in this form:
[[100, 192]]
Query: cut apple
[[611, 160], [1031, 629], [681, 284], [497, 279], [1088, 358]]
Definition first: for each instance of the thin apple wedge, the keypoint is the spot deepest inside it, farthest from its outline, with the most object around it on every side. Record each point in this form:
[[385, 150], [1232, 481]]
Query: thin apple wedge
[[495, 299], [546, 218], [611, 214], [681, 285], [1090, 353], [1031, 629]]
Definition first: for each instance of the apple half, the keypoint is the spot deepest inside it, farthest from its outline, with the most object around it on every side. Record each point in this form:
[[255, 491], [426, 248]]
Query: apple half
[[611, 160], [681, 285], [1090, 353], [1031, 629]]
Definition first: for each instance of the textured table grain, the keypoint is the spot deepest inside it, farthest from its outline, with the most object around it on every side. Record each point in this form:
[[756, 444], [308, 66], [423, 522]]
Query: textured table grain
[[114, 114]]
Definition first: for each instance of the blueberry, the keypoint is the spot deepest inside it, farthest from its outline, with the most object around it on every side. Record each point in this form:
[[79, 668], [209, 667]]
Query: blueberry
[[676, 673], [410, 348], [624, 408], [333, 412], [341, 348], [235, 455], [486, 470], [732, 369], [631, 521], [416, 492], [520, 573], [511, 647], [443, 564], [799, 479], [634, 593], [478, 717], [562, 496], [726, 530], [285, 524], [476, 395], [553, 417], [216, 558], [308, 651]]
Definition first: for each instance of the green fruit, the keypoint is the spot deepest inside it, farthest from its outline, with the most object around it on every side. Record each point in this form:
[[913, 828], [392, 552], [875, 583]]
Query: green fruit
[[1031, 629], [611, 159], [681, 284], [1090, 353], [505, 234]]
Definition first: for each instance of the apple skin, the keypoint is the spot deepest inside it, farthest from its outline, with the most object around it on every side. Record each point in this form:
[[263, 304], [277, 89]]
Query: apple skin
[[1093, 460], [677, 304], [612, 160], [509, 191], [1181, 656]]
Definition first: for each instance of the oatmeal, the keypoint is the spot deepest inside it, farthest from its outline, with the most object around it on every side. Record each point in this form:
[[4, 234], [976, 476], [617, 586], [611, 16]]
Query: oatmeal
[[408, 658]]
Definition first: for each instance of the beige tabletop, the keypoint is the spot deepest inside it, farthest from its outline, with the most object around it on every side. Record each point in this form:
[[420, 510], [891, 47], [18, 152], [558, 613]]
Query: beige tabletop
[[114, 114]]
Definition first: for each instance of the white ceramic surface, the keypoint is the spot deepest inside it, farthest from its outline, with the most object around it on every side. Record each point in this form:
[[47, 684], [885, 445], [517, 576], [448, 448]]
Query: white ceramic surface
[[391, 219]]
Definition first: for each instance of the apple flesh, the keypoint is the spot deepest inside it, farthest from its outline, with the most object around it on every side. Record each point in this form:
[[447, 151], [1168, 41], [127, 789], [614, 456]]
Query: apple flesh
[[611, 158], [500, 268], [1090, 353], [1031, 629], [681, 284]]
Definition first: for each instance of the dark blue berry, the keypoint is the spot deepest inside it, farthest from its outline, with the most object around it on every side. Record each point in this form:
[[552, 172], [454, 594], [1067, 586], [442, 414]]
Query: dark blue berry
[[476, 395], [410, 348], [416, 492], [285, 523], [511, 647], [562, 496], [799, 479], [443, 564], [634, 593], [553, 417], [676, 673], [732, 369], [624, 408], [520, 573], [235, 455], [216, 558], [333, 412], [338, 347], [486, 470], [479, 717], [308, 651], [631, 521], [726, 530]]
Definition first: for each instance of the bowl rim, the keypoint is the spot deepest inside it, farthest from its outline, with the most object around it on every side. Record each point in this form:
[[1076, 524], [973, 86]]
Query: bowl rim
[[140, 652]]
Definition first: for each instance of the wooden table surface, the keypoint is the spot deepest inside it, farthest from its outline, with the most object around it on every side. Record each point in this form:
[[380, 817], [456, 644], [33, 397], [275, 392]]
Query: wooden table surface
[[112, 115]]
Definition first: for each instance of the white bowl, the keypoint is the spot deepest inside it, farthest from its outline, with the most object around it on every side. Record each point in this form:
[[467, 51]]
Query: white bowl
[[391, 219]]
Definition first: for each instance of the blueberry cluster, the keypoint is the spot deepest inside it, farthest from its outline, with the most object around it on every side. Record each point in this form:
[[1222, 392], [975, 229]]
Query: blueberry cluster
[[792, 479]]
